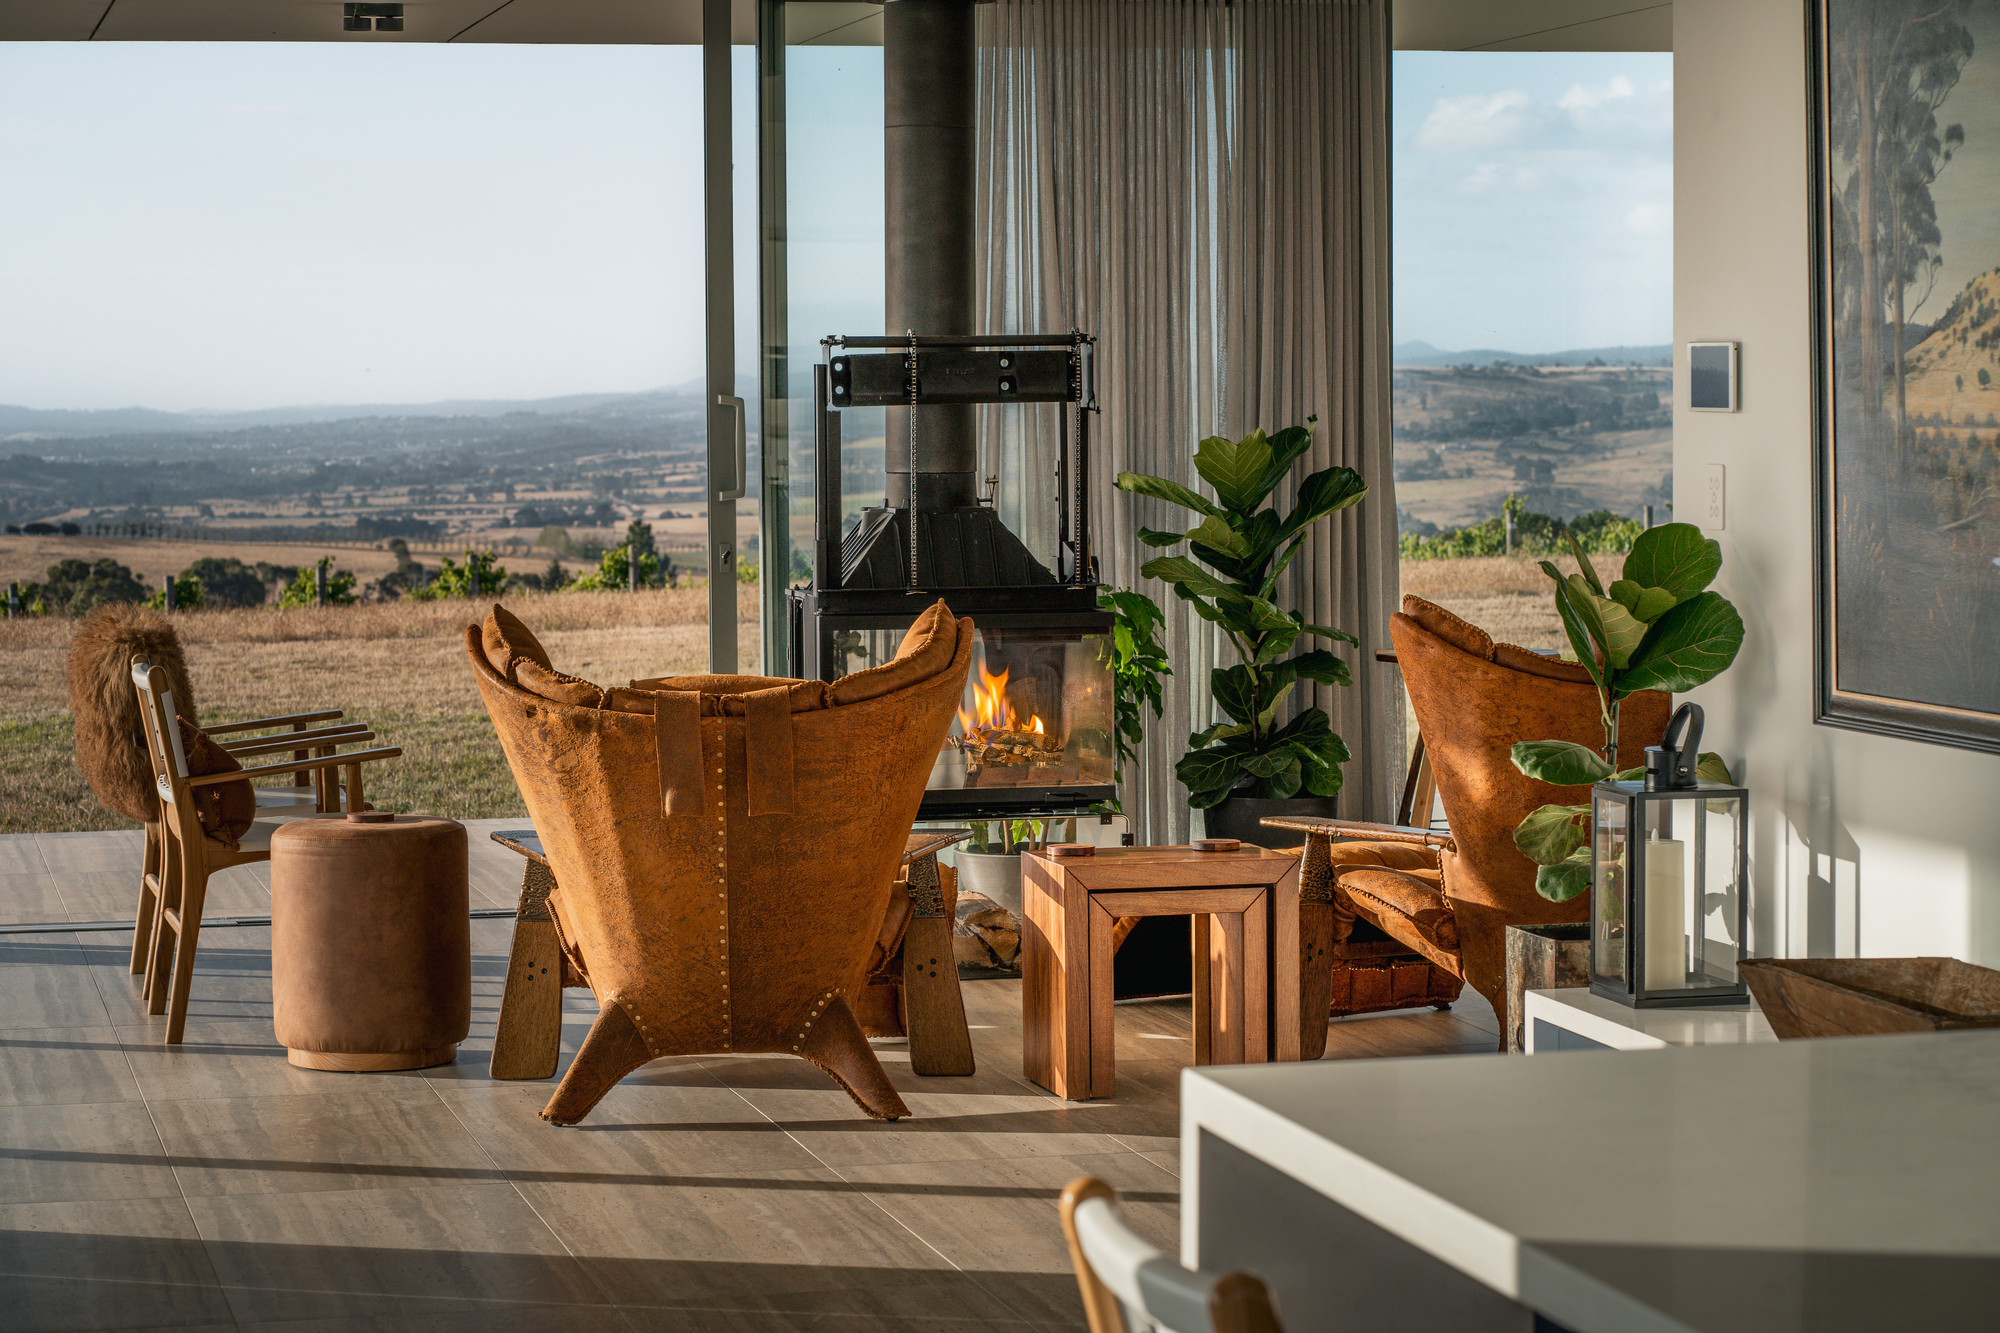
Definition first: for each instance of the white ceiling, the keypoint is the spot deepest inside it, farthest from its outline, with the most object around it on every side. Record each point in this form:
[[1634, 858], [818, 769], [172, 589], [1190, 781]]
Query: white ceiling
[[1427, 25]]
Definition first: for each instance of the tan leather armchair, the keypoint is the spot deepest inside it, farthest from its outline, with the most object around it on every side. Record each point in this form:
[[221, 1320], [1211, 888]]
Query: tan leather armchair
[[723, 847], [1448, 898]]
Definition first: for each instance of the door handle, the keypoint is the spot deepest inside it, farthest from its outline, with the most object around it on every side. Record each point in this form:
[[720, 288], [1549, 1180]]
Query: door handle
[[742, 447]]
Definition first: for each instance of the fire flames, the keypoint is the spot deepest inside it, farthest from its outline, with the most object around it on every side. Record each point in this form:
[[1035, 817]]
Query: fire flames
[[990, 709]]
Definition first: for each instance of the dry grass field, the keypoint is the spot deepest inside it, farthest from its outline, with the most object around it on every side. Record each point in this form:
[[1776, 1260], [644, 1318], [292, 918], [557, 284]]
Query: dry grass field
[[400, 668]]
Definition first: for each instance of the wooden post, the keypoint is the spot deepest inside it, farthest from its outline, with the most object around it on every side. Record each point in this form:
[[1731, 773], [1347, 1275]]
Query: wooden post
[[319, 584]]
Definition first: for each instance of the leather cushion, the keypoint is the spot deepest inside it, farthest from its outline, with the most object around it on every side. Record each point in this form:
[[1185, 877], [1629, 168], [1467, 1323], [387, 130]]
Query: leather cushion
[[536, 678], [1469, 638], [1404, 905], [926, 650], [228, 809], [507, 641], [721, 696]]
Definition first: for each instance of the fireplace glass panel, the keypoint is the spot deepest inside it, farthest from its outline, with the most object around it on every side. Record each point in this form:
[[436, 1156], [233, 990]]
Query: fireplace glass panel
[[1036, 710]]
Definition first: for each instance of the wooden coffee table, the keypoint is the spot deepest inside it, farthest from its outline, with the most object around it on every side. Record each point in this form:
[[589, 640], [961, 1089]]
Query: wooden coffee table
[[1070, 911]]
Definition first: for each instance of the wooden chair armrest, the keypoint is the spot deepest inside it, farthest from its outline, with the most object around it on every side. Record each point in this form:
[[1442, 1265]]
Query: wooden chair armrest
[[297, 766], [1360, 829], [301, 740], [324, 715]]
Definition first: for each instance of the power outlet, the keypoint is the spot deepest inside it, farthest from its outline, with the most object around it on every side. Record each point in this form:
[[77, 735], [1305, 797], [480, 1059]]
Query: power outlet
[[1713, 514]]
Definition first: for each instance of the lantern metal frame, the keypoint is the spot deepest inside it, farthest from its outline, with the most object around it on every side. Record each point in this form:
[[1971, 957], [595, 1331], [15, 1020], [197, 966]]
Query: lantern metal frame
[[1634, 798]]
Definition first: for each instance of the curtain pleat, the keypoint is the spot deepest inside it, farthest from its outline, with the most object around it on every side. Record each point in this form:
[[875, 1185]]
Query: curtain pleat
[[1205, 187]]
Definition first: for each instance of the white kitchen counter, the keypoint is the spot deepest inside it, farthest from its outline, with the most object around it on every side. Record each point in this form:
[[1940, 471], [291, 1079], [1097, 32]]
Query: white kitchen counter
[[1835, 1184]]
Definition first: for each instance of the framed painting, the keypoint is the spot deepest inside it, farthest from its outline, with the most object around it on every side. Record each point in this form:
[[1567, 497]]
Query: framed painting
[[1905, 121]]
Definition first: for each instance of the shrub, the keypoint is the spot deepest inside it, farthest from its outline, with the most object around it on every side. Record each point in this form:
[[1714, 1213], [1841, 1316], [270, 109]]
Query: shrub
[[1599, 532], [303, 589], [75, 587], [613, 572], [187, 595], [223, 582], [477, 577]]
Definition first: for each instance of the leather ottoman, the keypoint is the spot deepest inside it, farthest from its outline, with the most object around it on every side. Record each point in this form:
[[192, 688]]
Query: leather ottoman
[[371, 944]]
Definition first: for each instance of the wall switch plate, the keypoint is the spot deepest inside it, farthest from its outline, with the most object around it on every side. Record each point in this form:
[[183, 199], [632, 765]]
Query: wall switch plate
[[1712, 515]]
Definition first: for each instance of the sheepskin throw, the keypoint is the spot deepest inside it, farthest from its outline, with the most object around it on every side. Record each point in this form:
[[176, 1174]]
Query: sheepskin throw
[[110, 748]]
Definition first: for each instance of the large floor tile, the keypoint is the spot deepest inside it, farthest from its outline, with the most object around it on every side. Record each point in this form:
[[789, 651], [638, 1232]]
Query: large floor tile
[[31, 899], [641, 1135], [21, 854], [994, 1215], [46, 982], [237, 1058], [756, 1321], [101, 895], [65, 1154], [346, 1138], [398, 1253], [798, 1242], [64, 1066], [130, 1264], [492, 1317], [121, 850]]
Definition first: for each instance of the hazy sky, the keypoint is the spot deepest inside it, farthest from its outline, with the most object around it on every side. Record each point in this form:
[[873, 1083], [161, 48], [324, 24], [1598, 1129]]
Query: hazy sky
[[1534, 199], [241, 225]]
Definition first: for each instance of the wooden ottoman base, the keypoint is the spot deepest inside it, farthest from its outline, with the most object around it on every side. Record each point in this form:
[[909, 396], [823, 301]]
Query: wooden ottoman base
[[1396, 981], [369, 1062]]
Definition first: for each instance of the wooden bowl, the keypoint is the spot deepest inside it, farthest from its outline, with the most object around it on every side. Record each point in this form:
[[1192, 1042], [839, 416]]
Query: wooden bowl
[[1852, 997]]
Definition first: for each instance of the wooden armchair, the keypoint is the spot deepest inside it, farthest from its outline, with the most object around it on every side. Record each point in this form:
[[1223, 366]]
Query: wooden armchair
[[1435, 906], [1128, 1286], [111, 749], [173, 893]]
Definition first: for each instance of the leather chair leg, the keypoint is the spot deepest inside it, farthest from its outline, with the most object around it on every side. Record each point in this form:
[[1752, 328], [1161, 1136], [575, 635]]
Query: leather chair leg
[[837, 1046], [613, 1049]]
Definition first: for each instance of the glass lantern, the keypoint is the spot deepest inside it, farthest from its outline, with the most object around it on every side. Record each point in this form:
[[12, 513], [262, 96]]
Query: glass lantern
[[1669, 874]]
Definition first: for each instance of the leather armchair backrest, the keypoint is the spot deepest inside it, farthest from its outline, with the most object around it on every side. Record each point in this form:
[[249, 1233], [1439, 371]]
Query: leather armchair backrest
[[1473, 700], [726, 924]]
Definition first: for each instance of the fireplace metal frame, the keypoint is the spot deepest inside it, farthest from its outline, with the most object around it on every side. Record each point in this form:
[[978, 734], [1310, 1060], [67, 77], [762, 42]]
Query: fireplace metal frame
[[900, 558]]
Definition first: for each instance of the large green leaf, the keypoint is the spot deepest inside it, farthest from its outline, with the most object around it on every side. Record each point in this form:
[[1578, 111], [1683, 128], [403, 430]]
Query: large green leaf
[[1674, 556], [1274, 698], [1287, 446], [1324, 780], [1573, 626], [1215, 532], [1559, 763], [1317, 665], [1623, 631], [1549, 835], [1188, 577], [1208, 775], [1235, 468], [1162, 489], [1646, 604], [1219, 731], [1154, 537], [1688, 646], [1291, 552], [1232, 688], [1584, 603], [1586, 570], [1564, 881], [1710, 768], [1269, 763], [1277, 642], [1329, 632], [1284, 783], [1321, 494]]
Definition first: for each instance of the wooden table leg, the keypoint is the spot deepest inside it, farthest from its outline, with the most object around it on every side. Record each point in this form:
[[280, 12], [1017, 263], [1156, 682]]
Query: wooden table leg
[[528, 1040], [1301, 956], [1231, 986], [934, 1008]]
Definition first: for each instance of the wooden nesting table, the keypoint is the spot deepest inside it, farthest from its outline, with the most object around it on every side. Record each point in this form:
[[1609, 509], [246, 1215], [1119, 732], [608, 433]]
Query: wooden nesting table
[[1070, 910]]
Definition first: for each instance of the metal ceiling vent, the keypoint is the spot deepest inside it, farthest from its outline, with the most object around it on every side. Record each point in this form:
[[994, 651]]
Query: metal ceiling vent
[[371, 18]]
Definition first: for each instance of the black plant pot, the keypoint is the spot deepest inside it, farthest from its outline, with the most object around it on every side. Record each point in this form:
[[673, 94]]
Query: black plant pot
[[1239, 816]]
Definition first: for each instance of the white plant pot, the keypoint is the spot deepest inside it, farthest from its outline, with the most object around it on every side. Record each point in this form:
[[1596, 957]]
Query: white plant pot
[[992, 875]]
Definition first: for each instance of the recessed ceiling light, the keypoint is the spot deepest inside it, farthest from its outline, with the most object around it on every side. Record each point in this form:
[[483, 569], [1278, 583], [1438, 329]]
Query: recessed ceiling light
[[378, 17]]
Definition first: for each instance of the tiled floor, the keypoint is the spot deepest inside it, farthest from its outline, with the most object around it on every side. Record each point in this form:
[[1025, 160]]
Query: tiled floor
[[215, 1185]]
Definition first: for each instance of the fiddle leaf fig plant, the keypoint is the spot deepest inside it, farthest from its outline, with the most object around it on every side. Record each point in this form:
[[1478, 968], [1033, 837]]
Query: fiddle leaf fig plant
[[1246, 545], [1656, 628]]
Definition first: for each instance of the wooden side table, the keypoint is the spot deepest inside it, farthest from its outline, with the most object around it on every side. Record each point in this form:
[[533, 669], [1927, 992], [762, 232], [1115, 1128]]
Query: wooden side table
[[1070, 909]]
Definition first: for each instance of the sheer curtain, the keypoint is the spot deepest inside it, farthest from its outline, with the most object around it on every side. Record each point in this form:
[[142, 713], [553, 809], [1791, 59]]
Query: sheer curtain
[[1205, 186]]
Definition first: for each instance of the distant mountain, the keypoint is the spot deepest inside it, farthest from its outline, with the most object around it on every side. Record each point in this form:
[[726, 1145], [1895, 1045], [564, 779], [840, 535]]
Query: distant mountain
[[1423, 354], [64, 423]]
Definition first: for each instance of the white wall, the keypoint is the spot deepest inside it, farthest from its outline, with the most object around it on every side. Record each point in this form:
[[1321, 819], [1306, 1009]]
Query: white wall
[[1861, 845]]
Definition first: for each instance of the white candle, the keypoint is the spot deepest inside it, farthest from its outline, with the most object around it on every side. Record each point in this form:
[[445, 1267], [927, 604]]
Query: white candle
[[1666, 915]]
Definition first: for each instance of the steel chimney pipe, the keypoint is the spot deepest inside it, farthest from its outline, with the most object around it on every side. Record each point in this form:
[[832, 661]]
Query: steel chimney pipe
[[929, 106]]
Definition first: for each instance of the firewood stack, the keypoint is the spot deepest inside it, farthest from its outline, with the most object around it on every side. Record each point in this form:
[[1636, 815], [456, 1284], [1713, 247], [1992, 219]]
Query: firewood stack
[[1005, 747], [986, 935]]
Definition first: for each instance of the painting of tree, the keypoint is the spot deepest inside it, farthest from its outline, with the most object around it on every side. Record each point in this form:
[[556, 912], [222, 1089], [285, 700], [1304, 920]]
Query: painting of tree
[[1908, 149]]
